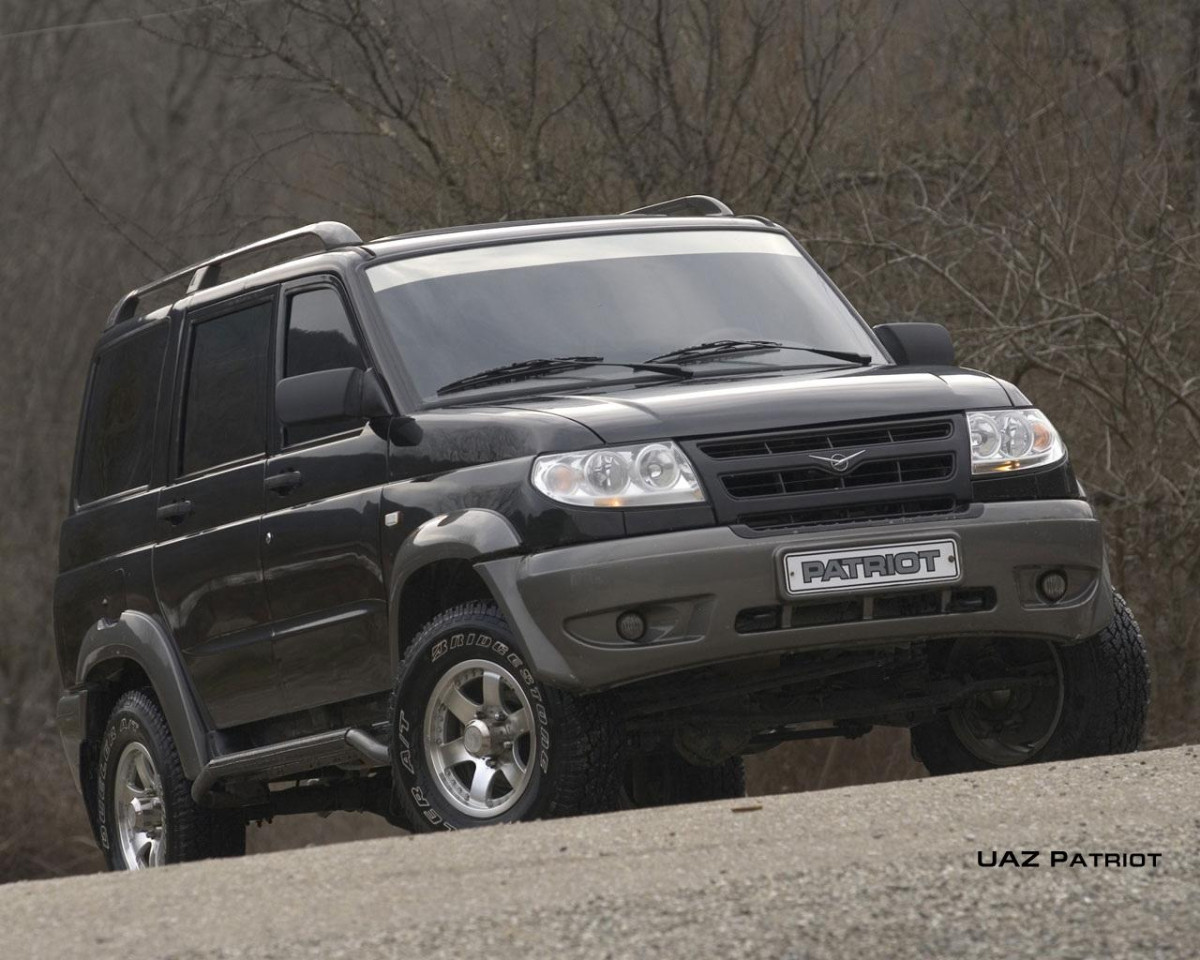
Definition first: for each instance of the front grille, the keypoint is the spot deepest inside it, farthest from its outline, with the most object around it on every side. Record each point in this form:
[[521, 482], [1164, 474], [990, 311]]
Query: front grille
[[825, 440], [897, 468], [853, 513]]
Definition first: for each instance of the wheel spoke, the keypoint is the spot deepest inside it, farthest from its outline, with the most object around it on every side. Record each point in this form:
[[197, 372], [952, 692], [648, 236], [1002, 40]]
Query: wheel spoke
[[481, 783], [455, 753], [463, 709], [491, 689], [518, 722], [142, 766], [513, 771]]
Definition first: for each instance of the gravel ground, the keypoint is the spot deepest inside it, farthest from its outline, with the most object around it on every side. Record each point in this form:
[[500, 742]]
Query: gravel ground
[[882, 871]]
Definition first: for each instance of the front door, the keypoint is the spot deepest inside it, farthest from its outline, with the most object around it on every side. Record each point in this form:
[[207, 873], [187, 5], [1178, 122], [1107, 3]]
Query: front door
[[321, 525], [207, 559]]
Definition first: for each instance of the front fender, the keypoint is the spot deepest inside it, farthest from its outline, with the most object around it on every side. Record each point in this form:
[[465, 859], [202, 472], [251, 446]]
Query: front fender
[[472, 534], [138, 637]]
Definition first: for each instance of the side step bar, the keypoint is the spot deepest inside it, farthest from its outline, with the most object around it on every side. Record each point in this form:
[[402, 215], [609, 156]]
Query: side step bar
[[336, 748]]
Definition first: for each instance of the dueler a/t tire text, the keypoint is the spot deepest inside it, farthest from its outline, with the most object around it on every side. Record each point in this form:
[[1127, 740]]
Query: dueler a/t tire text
[[1106, 694], [571, 748]]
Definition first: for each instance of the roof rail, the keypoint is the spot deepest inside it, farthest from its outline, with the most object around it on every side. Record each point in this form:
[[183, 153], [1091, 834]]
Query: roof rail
[[696, 204], [207, 273]]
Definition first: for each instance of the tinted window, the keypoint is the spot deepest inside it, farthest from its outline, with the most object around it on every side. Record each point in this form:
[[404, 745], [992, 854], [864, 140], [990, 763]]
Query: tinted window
[[225, 406], [319, 337], [118, 435]]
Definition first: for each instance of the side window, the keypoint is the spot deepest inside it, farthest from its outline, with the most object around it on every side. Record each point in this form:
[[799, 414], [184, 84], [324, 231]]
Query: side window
[[118, 432], [319, 337], [224, 411]]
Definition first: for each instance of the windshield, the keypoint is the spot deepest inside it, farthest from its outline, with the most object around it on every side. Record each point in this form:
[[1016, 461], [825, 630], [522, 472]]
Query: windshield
[[624, 297]]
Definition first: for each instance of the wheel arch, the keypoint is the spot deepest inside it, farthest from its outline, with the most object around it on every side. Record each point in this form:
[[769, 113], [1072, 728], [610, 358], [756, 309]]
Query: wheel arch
[[435, 569], [136, 651]]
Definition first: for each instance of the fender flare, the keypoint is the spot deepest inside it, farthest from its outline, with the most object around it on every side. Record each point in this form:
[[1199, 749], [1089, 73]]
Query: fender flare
[[138, 637], [472, 534], [479, 536]]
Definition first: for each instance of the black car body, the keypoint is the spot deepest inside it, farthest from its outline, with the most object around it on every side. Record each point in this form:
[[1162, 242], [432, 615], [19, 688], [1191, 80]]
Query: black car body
[[272, 498]]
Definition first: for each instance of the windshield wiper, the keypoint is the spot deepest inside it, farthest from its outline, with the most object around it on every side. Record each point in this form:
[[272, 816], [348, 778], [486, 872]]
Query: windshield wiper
[[548, 366], [722, 348]]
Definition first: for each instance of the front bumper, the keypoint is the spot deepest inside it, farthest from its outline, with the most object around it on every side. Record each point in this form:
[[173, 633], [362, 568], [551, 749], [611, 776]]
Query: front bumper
[[692, 585]]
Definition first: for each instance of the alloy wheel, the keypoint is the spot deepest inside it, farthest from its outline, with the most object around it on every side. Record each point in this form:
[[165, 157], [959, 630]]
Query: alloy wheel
[[478, 738], [138, 801]]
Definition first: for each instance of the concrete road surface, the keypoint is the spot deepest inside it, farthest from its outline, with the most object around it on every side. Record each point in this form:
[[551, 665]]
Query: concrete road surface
[[866, 872]]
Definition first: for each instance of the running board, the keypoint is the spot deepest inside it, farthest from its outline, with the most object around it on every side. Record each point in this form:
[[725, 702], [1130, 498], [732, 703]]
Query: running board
[[336, 748]]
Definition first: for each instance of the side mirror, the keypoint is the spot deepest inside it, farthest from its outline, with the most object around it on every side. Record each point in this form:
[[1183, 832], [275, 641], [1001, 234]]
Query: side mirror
[[917, 344], [327, 395]]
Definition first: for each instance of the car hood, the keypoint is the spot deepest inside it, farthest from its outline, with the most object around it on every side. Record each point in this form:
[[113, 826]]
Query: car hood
[[704, 407]]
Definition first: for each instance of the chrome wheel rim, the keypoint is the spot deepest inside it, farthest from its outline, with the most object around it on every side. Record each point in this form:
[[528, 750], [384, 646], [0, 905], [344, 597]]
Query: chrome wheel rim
[[1009, 726], [479, 741], [138, 798]]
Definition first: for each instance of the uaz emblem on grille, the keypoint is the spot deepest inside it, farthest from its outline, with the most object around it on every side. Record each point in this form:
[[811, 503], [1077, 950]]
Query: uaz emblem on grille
[[838, 461]]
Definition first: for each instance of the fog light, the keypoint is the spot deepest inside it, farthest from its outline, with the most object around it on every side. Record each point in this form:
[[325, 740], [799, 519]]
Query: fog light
[[1052, 586], [631, 626]]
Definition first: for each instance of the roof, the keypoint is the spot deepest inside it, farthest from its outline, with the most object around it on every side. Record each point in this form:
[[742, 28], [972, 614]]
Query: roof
[[691, 212]]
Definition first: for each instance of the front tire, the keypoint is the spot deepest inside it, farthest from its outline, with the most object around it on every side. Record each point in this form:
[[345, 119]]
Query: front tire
[[1099, 708], [145, 814], [477, 740]]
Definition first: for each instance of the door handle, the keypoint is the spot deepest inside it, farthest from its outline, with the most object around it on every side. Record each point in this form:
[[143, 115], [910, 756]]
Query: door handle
[[175, 511], [284, 482]]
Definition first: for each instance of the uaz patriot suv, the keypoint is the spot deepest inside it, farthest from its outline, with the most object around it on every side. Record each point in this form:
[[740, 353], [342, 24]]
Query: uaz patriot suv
[[496, 523]]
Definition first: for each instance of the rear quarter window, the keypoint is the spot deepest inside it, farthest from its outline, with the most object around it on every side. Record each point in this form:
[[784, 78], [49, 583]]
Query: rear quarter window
[[118, 432]]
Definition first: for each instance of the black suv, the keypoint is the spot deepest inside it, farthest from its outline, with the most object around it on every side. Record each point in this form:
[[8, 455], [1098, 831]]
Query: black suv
[[522, 520]]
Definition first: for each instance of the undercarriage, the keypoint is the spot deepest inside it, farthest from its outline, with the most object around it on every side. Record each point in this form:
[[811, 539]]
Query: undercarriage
[[714, 713]]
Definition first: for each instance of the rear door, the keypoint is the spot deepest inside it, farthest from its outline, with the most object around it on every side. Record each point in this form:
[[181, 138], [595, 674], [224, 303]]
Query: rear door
[[207, 559], [106, 544], [321, 525]]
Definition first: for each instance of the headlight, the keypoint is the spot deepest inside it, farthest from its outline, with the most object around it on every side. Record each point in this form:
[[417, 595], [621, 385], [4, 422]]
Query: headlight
[[1004, 440], [642, 475]]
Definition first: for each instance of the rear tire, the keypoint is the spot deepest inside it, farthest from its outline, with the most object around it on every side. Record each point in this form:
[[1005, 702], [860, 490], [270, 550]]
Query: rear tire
[[1105, 693], [478, 740], [145, 815]]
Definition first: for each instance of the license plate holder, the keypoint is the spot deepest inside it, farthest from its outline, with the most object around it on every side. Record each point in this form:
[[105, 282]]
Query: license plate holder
[[870, 567]]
